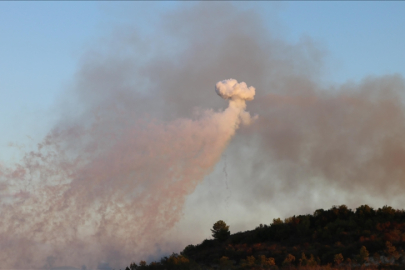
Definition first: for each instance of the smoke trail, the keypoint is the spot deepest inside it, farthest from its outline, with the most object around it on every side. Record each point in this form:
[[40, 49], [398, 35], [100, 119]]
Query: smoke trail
[[113, 202], [313, 146], [226, 181], [87, 196]]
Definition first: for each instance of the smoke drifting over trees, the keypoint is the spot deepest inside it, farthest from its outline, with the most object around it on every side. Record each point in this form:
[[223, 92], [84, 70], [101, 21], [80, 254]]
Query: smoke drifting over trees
[[144, 128]]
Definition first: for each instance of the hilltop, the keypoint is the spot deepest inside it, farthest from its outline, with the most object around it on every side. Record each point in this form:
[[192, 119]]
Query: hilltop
[[338, 238]]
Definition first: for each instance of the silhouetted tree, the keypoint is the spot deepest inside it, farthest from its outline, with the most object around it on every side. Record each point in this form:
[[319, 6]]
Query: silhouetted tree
[[133, 266], [220, 231]]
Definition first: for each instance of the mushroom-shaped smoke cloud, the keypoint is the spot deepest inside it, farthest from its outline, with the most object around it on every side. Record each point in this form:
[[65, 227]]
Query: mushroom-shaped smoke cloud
[[237, 93], [231, 89], [111, 201]]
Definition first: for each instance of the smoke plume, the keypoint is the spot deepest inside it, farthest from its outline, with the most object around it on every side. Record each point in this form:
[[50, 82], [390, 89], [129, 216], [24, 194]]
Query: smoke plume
[[110, 202], [124, 165]]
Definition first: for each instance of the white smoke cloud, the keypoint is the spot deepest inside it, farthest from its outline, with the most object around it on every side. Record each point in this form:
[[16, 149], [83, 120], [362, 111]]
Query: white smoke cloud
[[231, 89], [237, 94], [109, 202]]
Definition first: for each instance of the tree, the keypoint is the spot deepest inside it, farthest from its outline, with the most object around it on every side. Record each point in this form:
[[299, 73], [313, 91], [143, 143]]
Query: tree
[[391, 251], [250, 260], [277, 221], [288, 260], [142, 265], [363, 255], [312, 261], [176, 261], [220, 231], [266, 262], [303, 260], [338, 259], [225, 263]]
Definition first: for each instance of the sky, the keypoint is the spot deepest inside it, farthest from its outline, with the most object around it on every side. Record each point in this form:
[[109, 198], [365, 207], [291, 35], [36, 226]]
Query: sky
[[44, 42], [112, 126]]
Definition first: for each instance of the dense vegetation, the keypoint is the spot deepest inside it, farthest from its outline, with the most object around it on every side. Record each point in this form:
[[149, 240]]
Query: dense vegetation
[[338, 238]]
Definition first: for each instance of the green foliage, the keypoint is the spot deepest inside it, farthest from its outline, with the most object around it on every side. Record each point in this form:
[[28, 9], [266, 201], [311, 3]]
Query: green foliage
[[220, 231]]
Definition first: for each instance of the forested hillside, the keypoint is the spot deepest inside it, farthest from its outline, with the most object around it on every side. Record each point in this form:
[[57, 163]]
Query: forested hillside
[[338, 238]]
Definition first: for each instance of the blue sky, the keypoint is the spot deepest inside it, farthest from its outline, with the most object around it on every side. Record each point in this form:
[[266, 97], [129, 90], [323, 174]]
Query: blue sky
[[41, 42], [363, 38]]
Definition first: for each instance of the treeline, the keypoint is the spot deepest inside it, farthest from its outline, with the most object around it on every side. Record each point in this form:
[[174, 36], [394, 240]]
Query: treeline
[[338, 238]]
